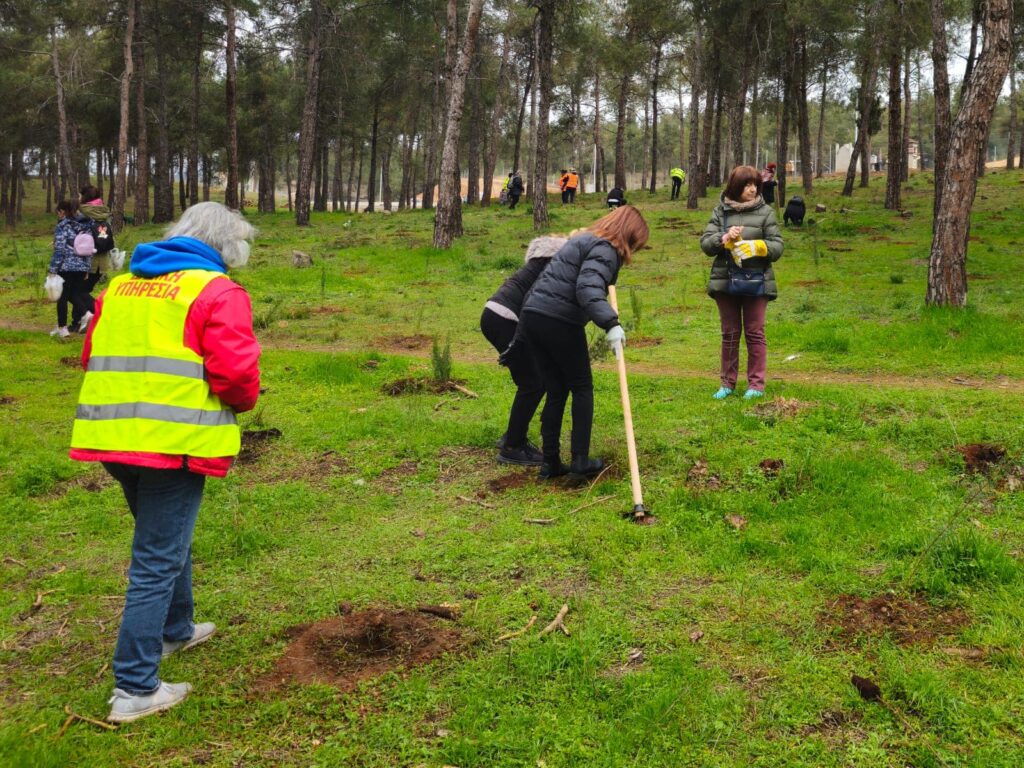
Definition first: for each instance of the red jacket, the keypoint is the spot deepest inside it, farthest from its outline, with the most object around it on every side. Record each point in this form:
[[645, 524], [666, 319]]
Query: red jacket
[[218, 328]]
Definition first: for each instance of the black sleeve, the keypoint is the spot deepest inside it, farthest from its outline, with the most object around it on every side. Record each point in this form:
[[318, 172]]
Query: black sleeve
[[599, 269]]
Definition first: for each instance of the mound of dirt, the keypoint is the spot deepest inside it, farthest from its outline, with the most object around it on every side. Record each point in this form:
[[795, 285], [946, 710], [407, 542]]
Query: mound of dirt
[[980, 458], [781, 407], [413, 384], [410, 343], [254, 443], [509, 481], [700, 476], [906, 621], [771, 467], [7, 400], [344, 650]]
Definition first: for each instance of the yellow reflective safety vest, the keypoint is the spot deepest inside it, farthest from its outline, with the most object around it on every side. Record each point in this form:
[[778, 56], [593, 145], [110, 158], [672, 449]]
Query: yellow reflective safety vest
[[144, 390], [678, 173]]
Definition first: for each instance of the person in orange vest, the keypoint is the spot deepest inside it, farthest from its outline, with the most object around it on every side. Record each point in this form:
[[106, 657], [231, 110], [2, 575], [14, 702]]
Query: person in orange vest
[[170, 358], [563, 185], [571, 185]]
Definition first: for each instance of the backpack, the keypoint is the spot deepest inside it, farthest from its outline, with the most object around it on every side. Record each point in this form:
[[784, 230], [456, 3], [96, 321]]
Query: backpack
[[84, 245], [102, 236]]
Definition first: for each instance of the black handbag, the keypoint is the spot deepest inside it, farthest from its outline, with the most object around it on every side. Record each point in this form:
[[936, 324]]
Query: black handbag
[[744, 281]]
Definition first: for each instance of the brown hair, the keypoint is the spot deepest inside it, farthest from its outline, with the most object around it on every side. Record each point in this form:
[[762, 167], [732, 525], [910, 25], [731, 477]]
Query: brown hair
[[624, 228], [68, 207], [739, 178]]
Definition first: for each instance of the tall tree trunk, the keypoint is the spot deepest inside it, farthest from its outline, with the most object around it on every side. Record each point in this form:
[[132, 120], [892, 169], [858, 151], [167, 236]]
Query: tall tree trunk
[[12, 198], [716, 146], [99, 169], [182, 200], [351, 204], [497, 115], [803, 118], [754, 105], [645, 140], [654, 119], [943, 116], [1010, 148], [894, 173], [620, 132], [163, 187], [121, 180], [448, 218], [193, 138], [947, 265], [787, 111], [819, 164], [706, 132], [68, 178], [693, 169], [521, 119], [231, 105], [473, 149], [385, 176], [336, 175], [307, 133], [371, 191], [141, 204], [545, 53], [319, 203], [531, 151], [905, 143], [430, 166], [207, 177], [598, 170], [734, 111]]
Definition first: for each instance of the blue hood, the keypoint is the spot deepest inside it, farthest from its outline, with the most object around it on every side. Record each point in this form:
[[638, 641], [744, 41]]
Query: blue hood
[[154, 259]]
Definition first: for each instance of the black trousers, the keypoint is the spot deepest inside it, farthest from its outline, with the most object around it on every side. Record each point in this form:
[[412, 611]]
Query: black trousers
[[529, 388], [560, 352], [571, 193], [75, 293], [677, 184], [513, 198]]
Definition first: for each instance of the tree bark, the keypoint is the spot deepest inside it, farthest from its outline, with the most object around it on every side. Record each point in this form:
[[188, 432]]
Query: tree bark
[[527, 88], [754, 148], [351, 204], [121, 180], [943, 116], [706, 130], [693, 170], [894, 173], [819, 165], [803, 119], [231, 106], [141, 203], [448, 217], [193, 139], [905, 143], [736, 107], [947, 265], [716, 146], [371, 189], [68, 179], [620, 132], [654, 119], [497, 115], [307, 133], [545, 53], [163, 187], [645, 140], [1010, 148], [787, 97]]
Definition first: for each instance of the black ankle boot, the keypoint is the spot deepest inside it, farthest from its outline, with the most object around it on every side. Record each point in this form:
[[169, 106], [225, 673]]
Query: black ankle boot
[[552, 468], [584, 467]]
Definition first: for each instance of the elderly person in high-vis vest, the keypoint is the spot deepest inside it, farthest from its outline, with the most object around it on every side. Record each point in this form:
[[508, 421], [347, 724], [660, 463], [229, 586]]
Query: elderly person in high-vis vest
[[170, 358]]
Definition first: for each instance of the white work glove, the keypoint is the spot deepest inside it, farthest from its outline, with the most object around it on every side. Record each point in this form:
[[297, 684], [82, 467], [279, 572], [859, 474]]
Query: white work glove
[[748, 249], [616, 338]]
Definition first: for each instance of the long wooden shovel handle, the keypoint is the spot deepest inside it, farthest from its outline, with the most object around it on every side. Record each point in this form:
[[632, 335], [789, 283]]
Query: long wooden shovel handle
[[627, 414]]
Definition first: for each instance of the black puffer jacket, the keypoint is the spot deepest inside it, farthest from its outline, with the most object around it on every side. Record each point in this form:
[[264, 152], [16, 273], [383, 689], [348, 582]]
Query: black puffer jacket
[[574, 287], [514, 290]]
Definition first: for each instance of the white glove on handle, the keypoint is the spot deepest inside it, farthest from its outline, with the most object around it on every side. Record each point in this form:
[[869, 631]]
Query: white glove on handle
[[616, 338]]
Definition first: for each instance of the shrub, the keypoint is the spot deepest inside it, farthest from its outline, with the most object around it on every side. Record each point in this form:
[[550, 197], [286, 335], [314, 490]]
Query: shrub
[[441, 360], [896, 279]]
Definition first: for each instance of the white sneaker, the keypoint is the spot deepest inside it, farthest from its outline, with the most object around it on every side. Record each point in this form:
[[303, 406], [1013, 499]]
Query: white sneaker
[[125, 707], [202, 633], [61, 332], [84, 324]]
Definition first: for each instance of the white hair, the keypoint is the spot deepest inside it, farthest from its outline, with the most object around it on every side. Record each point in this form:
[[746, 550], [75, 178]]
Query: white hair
[[224, 230]]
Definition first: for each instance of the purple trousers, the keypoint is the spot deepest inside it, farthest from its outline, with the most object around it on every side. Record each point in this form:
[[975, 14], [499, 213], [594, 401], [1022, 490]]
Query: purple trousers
[[743, 314]]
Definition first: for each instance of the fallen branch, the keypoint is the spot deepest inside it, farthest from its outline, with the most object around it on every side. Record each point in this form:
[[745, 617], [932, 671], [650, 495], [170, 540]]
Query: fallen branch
[[14, 561], [598, 500], [463, 390], [37, 729], [518, 632], [539, 520], [72, 716], [557, 622], [483, 504], [103, 669], [37, 604], [448, 611]]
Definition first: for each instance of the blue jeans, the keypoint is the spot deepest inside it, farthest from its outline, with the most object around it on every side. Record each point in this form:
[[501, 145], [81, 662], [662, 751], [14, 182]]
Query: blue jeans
[[158, 604]]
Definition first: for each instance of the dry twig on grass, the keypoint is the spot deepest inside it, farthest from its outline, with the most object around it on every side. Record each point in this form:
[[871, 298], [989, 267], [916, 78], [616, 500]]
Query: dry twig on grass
[[72, 716], [539, 520], [14, 561], [519, 632], [466, 392], [448, 611], [557, 623], [598, 500], [483, 504]]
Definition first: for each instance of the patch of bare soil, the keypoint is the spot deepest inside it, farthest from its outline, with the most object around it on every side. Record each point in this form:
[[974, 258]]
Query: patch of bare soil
[[701, 477], [771, 467], [906, 621], [781, 407], [509, 481], [832, 721], [93, 482], [413, 384], [7, 400], [981, 458], [344, 650], [646, 341], [71, 362], [255, 443], [392, 478], [412, 342], [315, 470]]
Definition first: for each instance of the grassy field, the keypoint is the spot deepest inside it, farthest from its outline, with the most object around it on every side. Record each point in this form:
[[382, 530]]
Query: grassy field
[[864, 520]]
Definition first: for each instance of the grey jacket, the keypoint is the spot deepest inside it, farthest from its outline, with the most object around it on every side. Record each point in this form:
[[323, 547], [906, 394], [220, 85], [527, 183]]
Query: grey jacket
[[574, 287], [758, 223], [514, 290]]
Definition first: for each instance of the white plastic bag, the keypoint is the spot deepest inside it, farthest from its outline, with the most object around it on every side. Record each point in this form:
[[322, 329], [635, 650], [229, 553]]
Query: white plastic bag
[[116, 259], [54, 287]]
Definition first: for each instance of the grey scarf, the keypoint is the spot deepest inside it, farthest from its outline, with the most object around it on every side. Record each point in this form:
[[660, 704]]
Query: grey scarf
[[740, 207]]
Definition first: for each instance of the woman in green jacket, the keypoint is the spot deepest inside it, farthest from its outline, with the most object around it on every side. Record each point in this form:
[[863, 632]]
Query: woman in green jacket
[[743, 238]]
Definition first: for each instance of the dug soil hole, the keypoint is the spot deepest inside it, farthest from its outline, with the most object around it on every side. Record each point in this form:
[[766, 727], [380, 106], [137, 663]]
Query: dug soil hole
[[508, 482], [907, 621], [344, 650], [980, 458], [255, 442]]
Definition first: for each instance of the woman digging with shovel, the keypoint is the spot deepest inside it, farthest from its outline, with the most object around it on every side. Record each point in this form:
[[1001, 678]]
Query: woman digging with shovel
[[571, 292]]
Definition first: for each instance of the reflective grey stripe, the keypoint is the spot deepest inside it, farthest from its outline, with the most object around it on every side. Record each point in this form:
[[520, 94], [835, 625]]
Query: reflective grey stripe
[[146, 364], [156, 412]]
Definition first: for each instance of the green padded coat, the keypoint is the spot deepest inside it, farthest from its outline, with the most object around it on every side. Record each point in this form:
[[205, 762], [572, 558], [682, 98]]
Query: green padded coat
[[759, 223]]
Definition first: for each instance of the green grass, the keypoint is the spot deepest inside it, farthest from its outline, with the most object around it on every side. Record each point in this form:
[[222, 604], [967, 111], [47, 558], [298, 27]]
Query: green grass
[[872, 499]]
